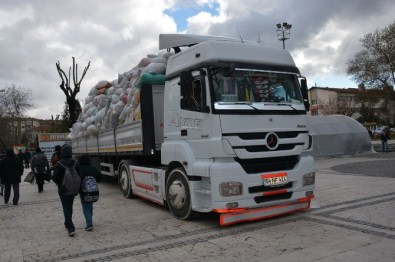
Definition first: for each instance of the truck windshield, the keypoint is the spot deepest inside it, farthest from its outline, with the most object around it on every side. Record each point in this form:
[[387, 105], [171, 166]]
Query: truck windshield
[[255, 86]]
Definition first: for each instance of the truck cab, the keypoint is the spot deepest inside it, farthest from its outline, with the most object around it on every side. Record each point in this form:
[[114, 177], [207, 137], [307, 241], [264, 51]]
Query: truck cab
[[235, 128]]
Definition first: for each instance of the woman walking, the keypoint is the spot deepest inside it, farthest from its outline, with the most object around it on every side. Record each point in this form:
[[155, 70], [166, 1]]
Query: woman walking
[[86, 169], [11, 170]]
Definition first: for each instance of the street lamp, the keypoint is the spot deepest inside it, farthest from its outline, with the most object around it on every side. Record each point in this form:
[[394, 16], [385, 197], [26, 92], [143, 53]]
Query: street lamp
[[283, 32]]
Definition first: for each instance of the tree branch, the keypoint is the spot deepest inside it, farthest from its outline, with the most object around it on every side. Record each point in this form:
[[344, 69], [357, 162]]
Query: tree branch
[[65, 83]]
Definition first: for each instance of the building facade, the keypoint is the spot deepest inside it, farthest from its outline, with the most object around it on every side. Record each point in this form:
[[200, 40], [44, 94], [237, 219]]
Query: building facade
[[344, 101], [24, 131]]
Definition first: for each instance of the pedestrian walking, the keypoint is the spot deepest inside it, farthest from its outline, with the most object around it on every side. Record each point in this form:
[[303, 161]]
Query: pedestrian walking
[[20, 154], [56, 155], [1, 184], [384, 140], [11, 170], [87, 170], [26, 157], [40, 166], [58, 175], [55, 158]]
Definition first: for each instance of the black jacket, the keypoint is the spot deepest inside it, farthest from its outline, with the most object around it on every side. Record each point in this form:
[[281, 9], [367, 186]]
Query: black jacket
[[66, 159], [11, 168], [39, 159]]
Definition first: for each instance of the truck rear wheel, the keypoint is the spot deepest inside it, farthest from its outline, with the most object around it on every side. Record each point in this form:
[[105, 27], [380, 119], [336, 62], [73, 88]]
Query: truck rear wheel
[[178, 196], [124, 181]]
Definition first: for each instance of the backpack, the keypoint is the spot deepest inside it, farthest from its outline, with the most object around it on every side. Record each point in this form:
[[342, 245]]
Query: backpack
[[71, 180], [90, 190], [40, 163]]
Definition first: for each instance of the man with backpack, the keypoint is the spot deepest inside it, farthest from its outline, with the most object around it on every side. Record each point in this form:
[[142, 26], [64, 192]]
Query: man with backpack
[[40, 167], [89, 192], [66, 177]]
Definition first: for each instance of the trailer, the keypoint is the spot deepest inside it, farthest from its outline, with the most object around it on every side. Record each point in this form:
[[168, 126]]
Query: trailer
[[223, 130]]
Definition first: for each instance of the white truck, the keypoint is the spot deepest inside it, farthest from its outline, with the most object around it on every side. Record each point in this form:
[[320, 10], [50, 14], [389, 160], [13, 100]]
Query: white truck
[[224, 132]]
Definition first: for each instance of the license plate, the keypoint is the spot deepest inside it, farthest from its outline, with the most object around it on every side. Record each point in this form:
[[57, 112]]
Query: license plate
[[275, 180]]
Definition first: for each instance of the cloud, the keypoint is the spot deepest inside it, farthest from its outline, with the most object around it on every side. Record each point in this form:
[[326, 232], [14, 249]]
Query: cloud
[[324, 34], [114, 36]]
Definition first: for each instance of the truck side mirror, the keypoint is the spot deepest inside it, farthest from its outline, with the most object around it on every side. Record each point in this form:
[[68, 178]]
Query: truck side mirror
[[305, 94]]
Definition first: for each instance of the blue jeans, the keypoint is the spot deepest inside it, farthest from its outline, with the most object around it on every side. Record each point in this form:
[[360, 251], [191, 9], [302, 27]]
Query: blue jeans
[[385, 146], [87, 208], [67, 204]]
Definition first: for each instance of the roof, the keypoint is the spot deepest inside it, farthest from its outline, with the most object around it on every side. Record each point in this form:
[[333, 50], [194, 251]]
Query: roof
[[337, 90], [222, 51]]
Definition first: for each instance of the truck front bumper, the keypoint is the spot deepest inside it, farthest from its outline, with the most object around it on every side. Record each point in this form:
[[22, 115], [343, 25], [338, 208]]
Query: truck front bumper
[[233, 217]]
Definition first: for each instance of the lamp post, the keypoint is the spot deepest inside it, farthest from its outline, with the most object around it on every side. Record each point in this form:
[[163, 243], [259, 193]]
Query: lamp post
[[283, 32]]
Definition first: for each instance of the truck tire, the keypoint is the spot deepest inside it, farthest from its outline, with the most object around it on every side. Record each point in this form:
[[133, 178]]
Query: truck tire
[[178, 196], [124, 181]]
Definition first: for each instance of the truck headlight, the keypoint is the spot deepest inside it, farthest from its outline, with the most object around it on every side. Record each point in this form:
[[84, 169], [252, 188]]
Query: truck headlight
[[309, 179], [230, 188]]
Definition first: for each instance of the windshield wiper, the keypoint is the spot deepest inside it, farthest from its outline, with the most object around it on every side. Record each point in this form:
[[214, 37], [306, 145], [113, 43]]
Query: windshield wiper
[[285, 104], [241, 103]]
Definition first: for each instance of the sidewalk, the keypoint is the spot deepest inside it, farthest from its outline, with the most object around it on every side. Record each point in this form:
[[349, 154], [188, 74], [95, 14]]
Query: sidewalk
[[351, 219]]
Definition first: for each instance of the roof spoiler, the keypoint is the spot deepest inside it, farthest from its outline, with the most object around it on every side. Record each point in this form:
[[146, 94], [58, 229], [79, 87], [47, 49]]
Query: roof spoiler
[[168, 41]]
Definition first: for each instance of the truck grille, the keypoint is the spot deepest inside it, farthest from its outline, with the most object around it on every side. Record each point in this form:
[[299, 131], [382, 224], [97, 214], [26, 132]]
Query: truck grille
[[262, 188], [261, 199], [255, 144], [262, 135], [265, 149], [261, 165]]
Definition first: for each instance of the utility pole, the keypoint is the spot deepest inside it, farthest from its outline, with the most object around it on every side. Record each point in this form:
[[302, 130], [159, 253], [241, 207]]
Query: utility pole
[[283, 32]]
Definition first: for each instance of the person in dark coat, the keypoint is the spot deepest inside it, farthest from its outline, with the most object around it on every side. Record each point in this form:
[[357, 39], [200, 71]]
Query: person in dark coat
[[26, 157], [384, 137], [67, 200], [56, 155], [1, 184], [86, 169], [40, 166], [11, 171], [20, 154]]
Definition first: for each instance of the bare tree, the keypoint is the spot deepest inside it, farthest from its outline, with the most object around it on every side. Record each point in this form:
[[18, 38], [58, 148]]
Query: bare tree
[[338, 104], [14, 101], [73, 105], [329, 107]]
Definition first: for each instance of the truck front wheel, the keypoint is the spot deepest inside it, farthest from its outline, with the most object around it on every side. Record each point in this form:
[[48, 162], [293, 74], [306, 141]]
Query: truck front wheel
[[124, 181], [178, 196]]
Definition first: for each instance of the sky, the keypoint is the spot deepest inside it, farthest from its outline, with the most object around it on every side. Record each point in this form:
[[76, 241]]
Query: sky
[[115, 35]]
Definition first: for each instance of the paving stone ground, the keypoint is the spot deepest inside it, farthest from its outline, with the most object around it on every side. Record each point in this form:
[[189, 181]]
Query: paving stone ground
[[351, 219]]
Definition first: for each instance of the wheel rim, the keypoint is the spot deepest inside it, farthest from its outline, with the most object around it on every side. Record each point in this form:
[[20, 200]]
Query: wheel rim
[[177, 194], [124, 180]]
